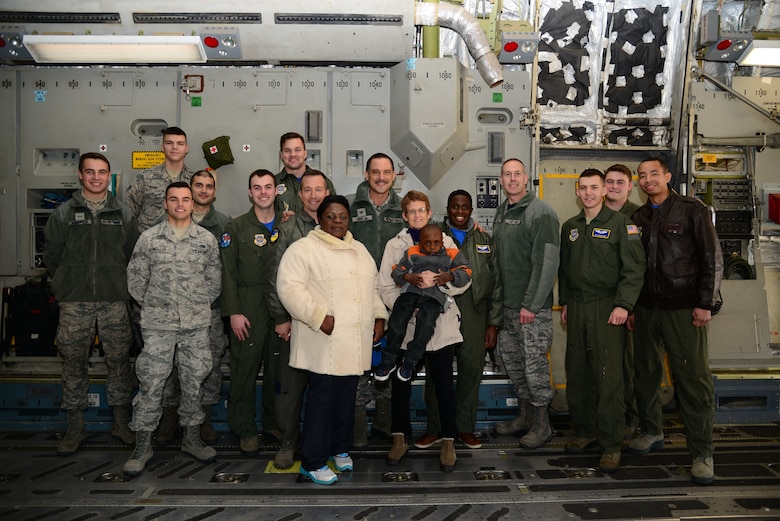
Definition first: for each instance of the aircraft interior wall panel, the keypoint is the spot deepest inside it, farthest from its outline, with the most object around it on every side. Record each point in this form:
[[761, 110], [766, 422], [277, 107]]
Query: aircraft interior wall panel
[[69, 111], [359, 124], [496, 111], [720, 114], [254, 107], [8, 179]]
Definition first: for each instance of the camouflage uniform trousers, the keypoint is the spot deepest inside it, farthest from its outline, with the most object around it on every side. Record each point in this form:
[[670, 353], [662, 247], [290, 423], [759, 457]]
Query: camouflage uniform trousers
[[189, 350], [369, 390], [212, 387], [75, 337], [523, 349]]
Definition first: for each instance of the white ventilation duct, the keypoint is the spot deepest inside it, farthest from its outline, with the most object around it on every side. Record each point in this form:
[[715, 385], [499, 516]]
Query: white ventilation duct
[[461, 21]]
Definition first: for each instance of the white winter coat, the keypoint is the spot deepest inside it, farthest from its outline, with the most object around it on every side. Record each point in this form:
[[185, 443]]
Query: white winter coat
[[322, 275]]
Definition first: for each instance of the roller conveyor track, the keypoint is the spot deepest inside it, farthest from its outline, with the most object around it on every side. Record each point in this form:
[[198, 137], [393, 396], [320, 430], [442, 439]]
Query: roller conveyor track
[[497, 482]]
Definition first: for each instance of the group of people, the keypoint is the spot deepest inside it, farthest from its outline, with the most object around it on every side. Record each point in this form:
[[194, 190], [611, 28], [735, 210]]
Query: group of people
[[306, 282]]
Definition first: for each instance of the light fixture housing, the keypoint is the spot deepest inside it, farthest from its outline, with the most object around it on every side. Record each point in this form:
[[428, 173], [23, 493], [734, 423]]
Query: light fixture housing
[[115, 48], [761, 53]]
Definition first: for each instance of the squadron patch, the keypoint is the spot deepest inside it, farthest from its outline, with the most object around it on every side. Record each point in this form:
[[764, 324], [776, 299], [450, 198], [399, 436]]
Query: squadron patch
[[79, 216], [483, 248], [260, 239], [601, 233], [280, 189], [225, 240], [574, 234], [274, 235]]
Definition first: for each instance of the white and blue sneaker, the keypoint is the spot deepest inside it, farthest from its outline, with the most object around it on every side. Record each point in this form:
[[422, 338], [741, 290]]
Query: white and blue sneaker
[[321, 476], [342, 462]]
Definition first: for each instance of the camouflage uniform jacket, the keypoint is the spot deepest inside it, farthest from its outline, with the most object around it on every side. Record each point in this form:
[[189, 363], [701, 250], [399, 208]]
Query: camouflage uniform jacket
[[287, 188], [175, 280], [370, 228], [87, 254], [528, 240], [147, 191]]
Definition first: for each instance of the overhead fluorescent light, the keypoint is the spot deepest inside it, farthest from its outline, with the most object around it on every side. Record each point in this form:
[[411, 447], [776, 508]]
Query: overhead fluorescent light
[[761, 53], [55, 48]]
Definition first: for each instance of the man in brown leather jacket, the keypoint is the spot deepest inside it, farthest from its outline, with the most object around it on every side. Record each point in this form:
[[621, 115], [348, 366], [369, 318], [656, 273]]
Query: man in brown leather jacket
[[684, 270]]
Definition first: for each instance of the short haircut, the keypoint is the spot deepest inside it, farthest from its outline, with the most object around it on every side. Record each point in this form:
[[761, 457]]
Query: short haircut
[[511, 159], [174, 131], [177, 184], [623, 169], [379, 155], [414, 195], [261, 172], [431, 227], [664, 166], [592, 172], [92, 155], [330, 199], [202, 173], [315, 173], [456, 193], [291, 135]]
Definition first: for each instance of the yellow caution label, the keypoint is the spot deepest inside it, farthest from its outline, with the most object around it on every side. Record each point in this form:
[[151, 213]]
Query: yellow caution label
[[143, 159], [709, 158]]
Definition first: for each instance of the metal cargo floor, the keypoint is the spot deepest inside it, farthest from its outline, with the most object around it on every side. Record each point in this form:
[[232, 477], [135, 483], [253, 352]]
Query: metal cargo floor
[[497, 482]]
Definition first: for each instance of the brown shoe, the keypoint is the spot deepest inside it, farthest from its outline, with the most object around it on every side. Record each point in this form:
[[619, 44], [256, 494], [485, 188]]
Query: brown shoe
[[469, 440], [609, 462], [426, 441], [398, 450], [580, 444], [249, 446], [447, 457]]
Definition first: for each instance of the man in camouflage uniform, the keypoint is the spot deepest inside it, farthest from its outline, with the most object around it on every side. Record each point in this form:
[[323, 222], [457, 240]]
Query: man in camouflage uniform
[[525, 231], [619, 184], [89, 240], [174, 274], [292, 152], [292, 382], [145, 195], [375, 214], [204, 192], [247, 248]]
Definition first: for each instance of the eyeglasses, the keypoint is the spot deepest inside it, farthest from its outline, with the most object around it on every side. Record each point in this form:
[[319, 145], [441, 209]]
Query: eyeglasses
[[418, 211]]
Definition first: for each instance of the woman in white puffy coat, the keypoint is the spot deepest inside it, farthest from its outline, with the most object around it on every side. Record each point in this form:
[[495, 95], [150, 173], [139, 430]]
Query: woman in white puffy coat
[[327, 281]]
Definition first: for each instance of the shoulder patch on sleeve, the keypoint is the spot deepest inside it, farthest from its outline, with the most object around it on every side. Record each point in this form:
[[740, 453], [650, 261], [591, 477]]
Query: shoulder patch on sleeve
[[225, 240]]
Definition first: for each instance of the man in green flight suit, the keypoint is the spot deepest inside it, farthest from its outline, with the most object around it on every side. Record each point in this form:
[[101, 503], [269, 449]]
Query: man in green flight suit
[[601, 274], [247, 247], [482, 315]]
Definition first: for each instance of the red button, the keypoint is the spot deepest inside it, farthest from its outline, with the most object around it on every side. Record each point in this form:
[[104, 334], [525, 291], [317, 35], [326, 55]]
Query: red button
[[210, 41], [723, 45], [511, 46]]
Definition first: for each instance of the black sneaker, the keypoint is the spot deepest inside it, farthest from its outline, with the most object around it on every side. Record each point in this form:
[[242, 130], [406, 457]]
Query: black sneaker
[[384, 371], [405, 371]]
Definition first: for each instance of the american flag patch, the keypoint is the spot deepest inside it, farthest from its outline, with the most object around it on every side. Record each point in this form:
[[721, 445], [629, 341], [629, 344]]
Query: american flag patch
[[632, 229]]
